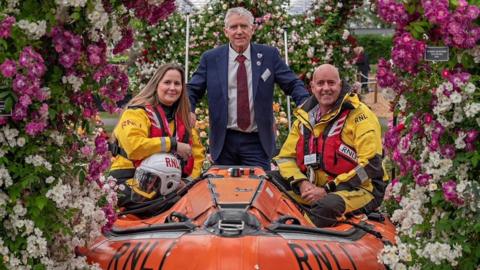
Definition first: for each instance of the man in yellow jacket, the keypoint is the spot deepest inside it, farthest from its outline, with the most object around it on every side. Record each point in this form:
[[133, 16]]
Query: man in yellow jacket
[[332, 157]]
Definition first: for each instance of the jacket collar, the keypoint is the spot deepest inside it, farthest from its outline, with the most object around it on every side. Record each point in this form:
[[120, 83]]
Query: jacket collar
[[232, 54], [256, 64]]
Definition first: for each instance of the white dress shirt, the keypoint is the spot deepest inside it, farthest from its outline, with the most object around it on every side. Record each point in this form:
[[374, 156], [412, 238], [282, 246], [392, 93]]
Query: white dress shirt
[[232, 89]]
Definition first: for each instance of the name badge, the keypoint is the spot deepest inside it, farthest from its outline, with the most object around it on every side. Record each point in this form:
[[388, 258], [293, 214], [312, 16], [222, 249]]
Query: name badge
[[266, 74], [310, 159]]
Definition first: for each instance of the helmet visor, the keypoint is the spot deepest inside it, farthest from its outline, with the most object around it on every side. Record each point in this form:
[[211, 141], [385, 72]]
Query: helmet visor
[[146, 186]]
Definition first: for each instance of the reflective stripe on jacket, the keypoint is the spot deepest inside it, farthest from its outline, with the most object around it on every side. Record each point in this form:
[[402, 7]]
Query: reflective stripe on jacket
[[160, 128]]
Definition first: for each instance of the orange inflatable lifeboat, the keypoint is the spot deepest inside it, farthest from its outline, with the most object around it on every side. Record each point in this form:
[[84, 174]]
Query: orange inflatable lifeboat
[[238, 218]]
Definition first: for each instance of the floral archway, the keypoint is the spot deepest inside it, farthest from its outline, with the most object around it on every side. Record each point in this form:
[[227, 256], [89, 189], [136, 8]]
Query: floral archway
[[53, 65], [434, 143]]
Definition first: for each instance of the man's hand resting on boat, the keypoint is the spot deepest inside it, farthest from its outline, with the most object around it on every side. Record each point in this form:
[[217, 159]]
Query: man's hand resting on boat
[[311, 193]]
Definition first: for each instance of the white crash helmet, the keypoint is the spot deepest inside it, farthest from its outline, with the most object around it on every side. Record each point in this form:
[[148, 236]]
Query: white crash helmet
[[159, 174]]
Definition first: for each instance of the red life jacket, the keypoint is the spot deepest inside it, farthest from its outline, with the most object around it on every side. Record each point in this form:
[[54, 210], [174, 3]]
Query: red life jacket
[[333, 155], [159, 128]]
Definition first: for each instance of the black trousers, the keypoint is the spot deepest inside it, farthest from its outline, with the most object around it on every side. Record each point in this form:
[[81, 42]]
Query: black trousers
[[242, 148]]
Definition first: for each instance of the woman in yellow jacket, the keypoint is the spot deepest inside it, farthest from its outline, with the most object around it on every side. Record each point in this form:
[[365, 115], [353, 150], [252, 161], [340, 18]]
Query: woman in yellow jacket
[[332, 157], [157, 120]]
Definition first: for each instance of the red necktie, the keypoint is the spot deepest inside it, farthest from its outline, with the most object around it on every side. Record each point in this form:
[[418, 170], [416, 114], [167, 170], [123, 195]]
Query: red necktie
[[243, 108]]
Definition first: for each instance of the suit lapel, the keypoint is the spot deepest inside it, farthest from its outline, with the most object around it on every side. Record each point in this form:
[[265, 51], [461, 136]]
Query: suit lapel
[[222, 69], [256, 68]]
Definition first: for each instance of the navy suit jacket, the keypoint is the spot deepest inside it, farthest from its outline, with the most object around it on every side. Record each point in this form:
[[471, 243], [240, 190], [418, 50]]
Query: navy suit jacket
[[212, 74]]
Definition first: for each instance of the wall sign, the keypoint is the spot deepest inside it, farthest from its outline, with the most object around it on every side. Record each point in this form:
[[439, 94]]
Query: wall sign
[[437, 53]]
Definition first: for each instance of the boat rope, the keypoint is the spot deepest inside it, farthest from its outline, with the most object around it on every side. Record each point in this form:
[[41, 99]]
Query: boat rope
[[365, 228]]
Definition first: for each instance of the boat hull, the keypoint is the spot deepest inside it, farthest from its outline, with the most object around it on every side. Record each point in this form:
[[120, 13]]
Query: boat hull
[[204, 251], [238, 220]]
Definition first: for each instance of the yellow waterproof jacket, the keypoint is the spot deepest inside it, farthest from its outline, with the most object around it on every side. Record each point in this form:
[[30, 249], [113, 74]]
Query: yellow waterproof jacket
[[132, 133], [361, 131]]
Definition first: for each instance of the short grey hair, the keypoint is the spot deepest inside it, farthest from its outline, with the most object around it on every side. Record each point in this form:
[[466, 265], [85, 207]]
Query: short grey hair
[[240, 11]]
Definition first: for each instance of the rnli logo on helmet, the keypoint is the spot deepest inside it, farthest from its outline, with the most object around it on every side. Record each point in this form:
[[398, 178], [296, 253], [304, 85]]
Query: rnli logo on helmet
[[172, 163], [347, 151]]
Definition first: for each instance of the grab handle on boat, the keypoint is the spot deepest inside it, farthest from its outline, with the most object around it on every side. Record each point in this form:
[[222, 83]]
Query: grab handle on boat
[[231, 227], [176, 217], [235, 172], [287, 220]]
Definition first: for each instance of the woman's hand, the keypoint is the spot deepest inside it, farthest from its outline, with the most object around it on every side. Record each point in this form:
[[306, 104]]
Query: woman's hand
[[184, 150]]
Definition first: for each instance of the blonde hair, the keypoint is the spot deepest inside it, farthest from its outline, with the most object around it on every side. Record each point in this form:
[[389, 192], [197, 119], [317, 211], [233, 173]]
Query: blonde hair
[[148, 95], [358, 50]]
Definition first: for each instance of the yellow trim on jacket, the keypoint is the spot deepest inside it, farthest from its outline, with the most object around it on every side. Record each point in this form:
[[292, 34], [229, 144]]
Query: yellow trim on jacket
[[132, 133], [362, 131]]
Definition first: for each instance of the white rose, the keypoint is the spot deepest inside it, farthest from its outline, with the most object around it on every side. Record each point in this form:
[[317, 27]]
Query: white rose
[[456, 97], [470, 88], [21, 141], [49, 179]]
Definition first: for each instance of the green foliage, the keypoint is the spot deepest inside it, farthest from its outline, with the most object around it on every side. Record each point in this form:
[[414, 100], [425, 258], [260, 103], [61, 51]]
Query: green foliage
[[376, 46], [418, 28], [320, 36], [160, 44]]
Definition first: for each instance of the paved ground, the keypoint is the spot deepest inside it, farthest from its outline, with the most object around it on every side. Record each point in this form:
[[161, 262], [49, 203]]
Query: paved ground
[[382, 105], [383, 121], [110, 121]]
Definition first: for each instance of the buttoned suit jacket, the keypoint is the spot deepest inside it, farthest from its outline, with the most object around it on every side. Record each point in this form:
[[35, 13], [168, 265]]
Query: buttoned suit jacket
[[211, 76]]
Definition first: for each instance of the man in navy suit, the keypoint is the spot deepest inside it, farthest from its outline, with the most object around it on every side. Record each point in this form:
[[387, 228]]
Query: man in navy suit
[[240, 79]]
